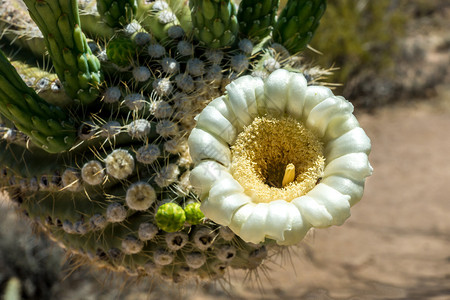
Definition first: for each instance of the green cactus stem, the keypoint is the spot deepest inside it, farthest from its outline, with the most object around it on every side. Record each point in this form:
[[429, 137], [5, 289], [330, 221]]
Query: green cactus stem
[[116, 13], [72, 58], [297, 23], [46, 125], [257, 18], [215, 22]]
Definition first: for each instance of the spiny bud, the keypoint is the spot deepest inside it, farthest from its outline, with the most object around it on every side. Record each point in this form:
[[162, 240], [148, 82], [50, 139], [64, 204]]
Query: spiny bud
[[119, 164], [92, 172], [120, 51], [193, 213], [140, 196], [176, 240], [170, 217]]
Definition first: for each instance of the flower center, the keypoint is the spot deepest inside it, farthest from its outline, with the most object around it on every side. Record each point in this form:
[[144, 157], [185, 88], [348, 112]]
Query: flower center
[[277, 159]]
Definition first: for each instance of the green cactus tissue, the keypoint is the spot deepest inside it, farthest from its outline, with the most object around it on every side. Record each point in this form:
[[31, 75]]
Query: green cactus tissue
[[173, 139]]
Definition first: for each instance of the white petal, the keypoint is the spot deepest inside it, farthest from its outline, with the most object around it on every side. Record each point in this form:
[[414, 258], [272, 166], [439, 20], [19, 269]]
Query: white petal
[[222, 105], [254, 228], [275, 92], [336, 203], [322, 114], [353, 141], [346, 186], [225, 186], [314, 95], [313, 212], [211, 120], [340, 125], [203, 176], [279, 219], [240, 216], [203, 145], [299, 228], [296, 95], [354, 166], [242, 96], [221, 208]]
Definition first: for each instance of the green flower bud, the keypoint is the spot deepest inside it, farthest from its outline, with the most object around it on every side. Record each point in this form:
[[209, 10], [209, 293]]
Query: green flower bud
[[170, 217], [120, 51], [193, 213]]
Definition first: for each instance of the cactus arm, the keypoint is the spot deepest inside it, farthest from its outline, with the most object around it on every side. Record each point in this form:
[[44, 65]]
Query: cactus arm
[[116, 13], [156, 19], [183, 13], [60, 23], [45, 124], [215, 22], [257, 18], [46, 84], [297, 23]]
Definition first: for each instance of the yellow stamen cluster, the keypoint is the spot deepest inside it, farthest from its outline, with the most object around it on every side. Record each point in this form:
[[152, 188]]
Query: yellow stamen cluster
[[268, 151]]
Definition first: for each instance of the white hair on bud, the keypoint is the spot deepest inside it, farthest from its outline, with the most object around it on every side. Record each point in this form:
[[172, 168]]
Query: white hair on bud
[[156, 50], [226, 253], [131, 245], [148, 154], [147, 231], [176, 240], [226, 233], [98, 221], [166, 17], [163, 257], [239, 63], [167, 175], [185, 82], [139, 128], [246, 46], [112, 94], [271, 64], [204, 238], [141, 73], [161, 109], [110, 129], [170, 65], [195, 67], [71, 180], [160, 5], [132, 28], [214, 56], [134, 101], [116, 212], [185, 48], [140, 196], [119, 164], [162, 86], [175, 32], [166, 128], [195, 259], [142, 38], [93, 172]]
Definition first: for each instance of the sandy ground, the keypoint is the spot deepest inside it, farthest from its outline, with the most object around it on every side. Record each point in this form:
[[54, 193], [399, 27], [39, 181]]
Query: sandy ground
[[396, 245]]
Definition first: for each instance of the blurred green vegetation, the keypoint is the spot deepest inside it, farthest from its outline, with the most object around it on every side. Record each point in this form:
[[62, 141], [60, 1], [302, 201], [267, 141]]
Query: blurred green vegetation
[[358, 35]]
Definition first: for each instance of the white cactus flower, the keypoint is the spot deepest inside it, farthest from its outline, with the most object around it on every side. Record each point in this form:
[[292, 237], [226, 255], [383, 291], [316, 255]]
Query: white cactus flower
[[276, 157]]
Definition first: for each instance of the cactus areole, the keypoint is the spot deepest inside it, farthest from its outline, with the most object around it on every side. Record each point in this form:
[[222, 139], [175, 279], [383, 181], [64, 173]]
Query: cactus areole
[[173, 139]]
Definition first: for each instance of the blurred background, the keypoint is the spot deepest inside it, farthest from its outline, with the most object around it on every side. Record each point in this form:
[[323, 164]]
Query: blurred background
[[391, 59]]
